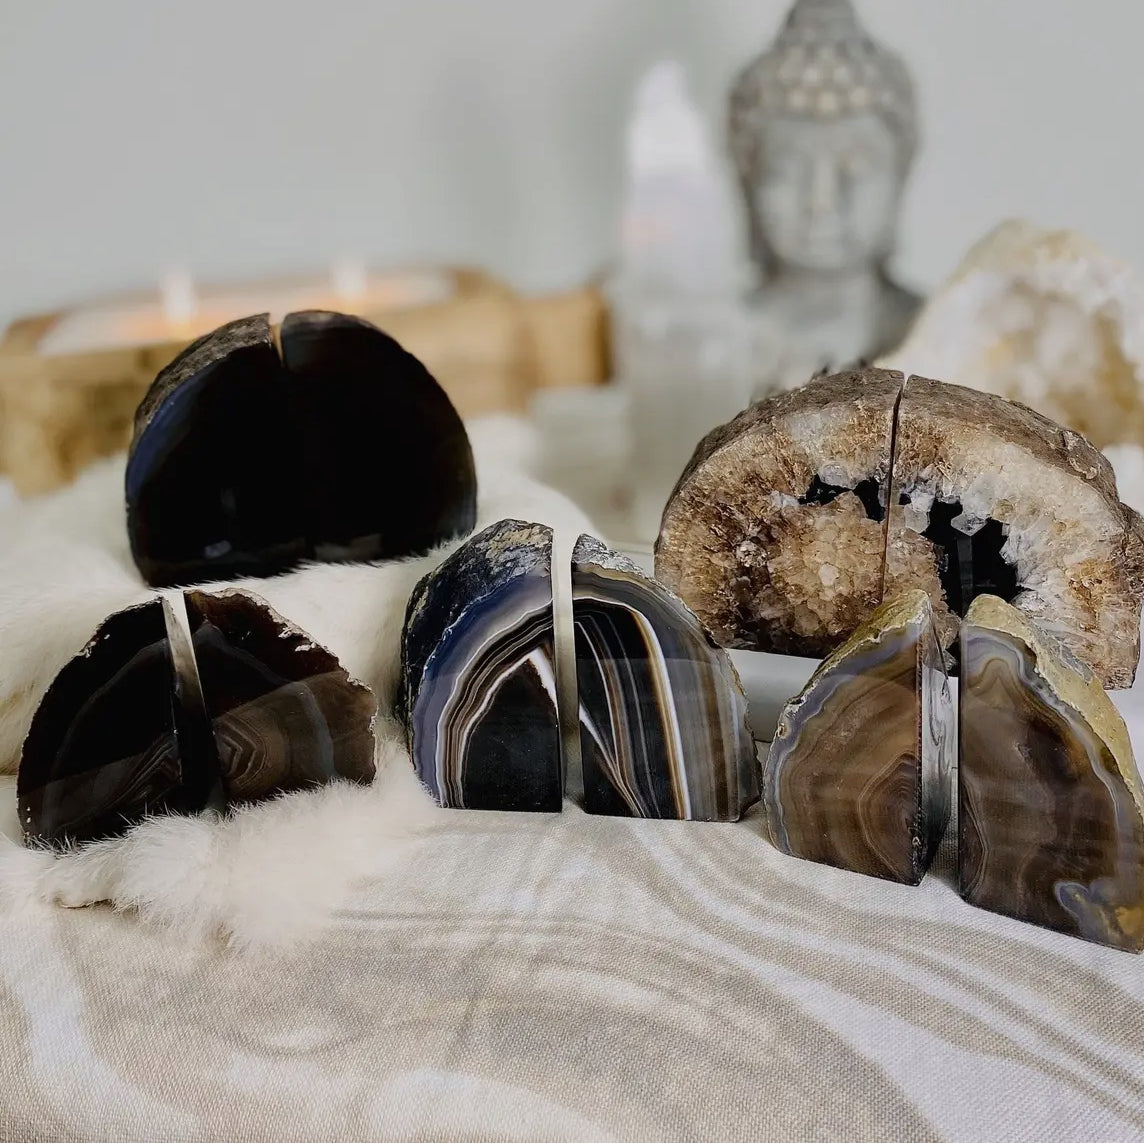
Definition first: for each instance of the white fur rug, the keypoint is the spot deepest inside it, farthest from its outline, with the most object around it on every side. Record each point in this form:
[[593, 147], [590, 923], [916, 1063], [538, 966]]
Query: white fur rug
[[272, 873]]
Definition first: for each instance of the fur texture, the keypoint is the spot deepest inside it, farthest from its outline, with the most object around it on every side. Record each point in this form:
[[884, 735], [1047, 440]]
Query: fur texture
[[270, 874]]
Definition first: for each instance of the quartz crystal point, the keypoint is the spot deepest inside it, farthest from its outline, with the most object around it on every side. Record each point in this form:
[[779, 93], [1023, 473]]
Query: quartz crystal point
[[246, 459], [663, 717], [285, 714], [775, 533], [858, 774], [478, 674], [989, 497], [1051, 809], [116, 737], [150, 719]]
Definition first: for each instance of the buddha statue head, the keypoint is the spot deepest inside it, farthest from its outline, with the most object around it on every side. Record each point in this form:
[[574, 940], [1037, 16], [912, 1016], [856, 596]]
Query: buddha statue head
[[823, 132]]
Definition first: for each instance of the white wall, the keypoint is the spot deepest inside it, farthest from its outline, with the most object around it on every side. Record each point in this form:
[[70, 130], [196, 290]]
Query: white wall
[[239, 137]]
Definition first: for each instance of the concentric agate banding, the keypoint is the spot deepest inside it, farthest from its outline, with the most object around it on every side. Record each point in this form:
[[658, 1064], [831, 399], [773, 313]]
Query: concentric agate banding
[[858, 773], [1051, 808], [479, 696], [663, 716], [285, 714]]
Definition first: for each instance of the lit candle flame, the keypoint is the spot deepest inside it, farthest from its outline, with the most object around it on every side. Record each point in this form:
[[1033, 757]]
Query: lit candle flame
[[177, 297], [349, 279]]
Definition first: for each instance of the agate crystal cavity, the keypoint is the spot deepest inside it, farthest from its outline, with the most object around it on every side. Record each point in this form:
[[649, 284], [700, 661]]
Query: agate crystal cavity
[[793, 522], [858, 774], [150, 719], [250, 455], [775, 533], [479, 695], [663, 717], [1051, 808]]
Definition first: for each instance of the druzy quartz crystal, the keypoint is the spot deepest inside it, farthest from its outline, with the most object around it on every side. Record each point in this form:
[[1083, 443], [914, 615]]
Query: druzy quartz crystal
[[1051, 807], [478, 693], [775, 533], [331, 443], [154, 716], [662, 713], [859, 771]]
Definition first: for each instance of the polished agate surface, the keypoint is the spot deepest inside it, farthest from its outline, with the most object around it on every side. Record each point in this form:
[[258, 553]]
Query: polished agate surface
[[284, 713], [173, 711], [1051, 811], [858, 773], [333, 443], [479, 695], [109, 743], [662, 714]]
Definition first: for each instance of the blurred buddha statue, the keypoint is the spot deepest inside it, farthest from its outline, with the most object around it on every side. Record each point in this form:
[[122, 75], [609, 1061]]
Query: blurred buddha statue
[[823, 132]]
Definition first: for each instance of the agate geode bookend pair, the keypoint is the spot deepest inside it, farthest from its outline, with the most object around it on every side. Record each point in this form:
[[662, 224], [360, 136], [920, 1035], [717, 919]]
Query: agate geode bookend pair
[[660, 713], [1050, 802], [260, 447], [169, 710]]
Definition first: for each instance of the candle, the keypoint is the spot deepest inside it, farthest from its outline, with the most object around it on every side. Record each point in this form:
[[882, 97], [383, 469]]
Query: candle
[[180, 312]]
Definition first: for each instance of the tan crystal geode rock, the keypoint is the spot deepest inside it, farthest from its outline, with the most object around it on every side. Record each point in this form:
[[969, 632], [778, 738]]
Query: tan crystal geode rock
[[1044, 317], [762, 568], [776, 533]]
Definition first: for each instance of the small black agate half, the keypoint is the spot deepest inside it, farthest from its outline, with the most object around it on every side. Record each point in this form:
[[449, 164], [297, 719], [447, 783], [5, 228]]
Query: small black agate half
[[284, 713], [114, 738], [149, 719], [663, 716], [479, 678], [248, 457]]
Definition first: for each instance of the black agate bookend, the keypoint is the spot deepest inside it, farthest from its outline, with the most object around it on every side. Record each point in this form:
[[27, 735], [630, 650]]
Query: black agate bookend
[[662, 713], [1051, 807], [479, 693], [156, 717], [334, 443], [858, 775], [284, 713]]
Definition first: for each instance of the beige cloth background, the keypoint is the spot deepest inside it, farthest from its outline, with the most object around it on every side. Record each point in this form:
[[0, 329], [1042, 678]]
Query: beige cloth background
[[569, 977]]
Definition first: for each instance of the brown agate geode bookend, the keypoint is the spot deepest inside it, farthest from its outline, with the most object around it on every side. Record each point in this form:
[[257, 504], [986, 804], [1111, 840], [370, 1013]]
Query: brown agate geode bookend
[[1051, 809], [859, 771]]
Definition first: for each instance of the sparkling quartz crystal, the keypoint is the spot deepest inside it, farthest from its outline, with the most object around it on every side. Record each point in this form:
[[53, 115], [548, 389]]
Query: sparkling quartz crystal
[[858, 773], [479, 697], [1044, 317], [775, 533], [663, 716], [248, 458], [1051, 808]]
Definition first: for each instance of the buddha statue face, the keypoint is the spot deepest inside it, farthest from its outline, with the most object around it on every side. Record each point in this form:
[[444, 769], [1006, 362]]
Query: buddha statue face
[[823, 132], [826, 193]]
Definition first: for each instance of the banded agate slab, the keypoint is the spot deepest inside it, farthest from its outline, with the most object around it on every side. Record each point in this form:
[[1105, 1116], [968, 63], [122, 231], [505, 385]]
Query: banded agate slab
[[662, 713], [858, 774], [1051, 809], [479, 696]]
